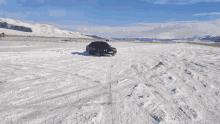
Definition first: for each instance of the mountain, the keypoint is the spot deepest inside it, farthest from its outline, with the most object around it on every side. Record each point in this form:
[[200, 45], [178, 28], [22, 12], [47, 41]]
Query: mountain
[[16, 27], [211, 38]]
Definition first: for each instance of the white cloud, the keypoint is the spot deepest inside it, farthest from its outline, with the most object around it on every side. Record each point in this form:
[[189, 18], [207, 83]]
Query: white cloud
[[57, 13], [161, 1], [166, 35], [184, 29], [35, 13], [201, 14], [1, 1], [169, 30], [17, 15], [9, 3], [105, 31]]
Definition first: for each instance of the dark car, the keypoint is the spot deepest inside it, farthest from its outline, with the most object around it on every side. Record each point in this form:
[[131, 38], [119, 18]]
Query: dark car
[[100, 48]]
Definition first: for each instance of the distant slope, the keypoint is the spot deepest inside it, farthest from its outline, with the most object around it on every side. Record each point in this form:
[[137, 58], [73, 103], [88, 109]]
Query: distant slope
[[94, 36], [38, 29], [211, 38]]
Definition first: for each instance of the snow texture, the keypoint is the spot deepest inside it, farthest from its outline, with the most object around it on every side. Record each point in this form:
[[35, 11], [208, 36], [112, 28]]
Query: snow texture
[[47, 82]]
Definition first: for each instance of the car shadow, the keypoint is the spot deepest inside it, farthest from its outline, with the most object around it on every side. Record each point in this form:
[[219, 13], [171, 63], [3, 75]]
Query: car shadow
[[83, 54]]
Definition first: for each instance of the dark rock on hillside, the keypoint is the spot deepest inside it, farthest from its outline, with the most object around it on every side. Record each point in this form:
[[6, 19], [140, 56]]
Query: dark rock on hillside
[[211, 38], [3, 25], [14, 27], [94, 36], [2, 34]]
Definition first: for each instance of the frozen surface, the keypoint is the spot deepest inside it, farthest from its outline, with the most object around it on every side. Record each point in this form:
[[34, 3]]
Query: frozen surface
[[143, 84]]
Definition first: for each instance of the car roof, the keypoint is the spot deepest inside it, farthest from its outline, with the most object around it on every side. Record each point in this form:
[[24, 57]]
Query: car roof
[[98, 41], [99, 44]]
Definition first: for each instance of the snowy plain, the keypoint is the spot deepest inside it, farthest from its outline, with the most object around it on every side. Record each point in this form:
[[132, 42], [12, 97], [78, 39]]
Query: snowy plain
[[144, 83]]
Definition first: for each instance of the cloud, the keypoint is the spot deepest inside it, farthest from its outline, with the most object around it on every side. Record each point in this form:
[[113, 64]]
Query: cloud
[[178, 2], [166, 35], [185, 29], [160, 1], [169, 30], [57, 13], [17, 15], [103, 31], [35, 13], [40, 1], [161, 29], [201, 14], [1, 1]]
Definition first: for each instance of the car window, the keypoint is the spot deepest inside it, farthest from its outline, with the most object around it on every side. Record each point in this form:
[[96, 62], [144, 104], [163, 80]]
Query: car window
[[99, 44], [91, 44]]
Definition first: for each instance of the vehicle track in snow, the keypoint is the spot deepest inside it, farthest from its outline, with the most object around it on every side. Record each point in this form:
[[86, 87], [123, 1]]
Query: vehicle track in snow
[[121, 89], [188, 86]]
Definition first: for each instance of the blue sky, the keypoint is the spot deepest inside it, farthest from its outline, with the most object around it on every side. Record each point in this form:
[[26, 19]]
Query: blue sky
[[113, 18]]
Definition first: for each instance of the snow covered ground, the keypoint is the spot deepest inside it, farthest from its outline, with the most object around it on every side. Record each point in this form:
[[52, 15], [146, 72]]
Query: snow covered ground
[[47, 82]]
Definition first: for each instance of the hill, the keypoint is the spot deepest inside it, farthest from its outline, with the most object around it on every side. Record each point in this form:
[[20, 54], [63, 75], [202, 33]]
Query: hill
[[16, 27]]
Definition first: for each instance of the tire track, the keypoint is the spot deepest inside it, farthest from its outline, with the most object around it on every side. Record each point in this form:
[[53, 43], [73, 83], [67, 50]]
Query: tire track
[[109, 108], [172, 110], [190, 87]]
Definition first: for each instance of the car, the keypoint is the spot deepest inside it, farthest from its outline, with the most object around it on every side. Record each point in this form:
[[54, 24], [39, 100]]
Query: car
[[100, 48]]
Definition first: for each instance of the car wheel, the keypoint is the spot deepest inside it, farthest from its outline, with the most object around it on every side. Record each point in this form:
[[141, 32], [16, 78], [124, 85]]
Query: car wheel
[[113, 54], [108, 55]]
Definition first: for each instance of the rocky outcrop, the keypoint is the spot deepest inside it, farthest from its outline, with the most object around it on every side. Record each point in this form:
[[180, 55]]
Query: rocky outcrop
[[2, 34], [3, 25], [94, 36], [14, 27]]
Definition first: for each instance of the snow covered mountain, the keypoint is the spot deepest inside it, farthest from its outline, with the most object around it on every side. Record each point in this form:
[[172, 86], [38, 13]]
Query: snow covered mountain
[[211, 38], [37, 29]]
